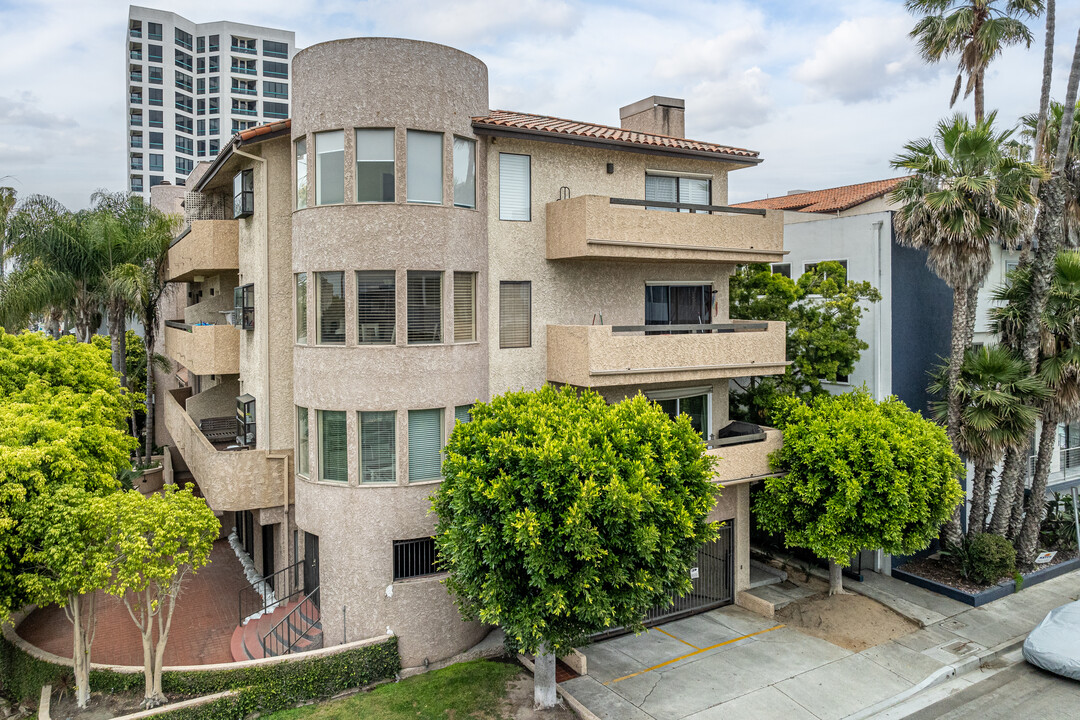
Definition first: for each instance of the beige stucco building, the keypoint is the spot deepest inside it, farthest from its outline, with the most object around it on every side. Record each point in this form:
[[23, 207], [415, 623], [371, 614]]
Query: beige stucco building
[[350, 281]]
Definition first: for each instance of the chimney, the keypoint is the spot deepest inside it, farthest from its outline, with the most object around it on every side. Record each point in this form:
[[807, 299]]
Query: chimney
[[656, 115]]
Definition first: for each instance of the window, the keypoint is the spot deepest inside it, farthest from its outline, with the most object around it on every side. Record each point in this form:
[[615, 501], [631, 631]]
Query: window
[[185, 145], [274, 69], [156, 180], [157, 162], [275, 49], [155, 74], [153, 30], [244, 194], [154, 54], [678, 304], [136, 162], [136, 140], [157, 118], [515, 187], [301, 308], [782, 269], [213, 44], [375, 165], [424, 296], [184, 166], [135, 74], [674, 189], [183, 60], [377, 451], [245, 420], [303, 451], [213, 65], [135, 51], [463, 413], [330, 308], [136, 183], [464, 173], [200, 67], [135, 96], [200, 44], [157, 141], [415, 558], [515, 314], [244, 107], [200, 147], [424, 167], [425, 444], [244, 307], [244, 87], [276, 89], [183, 81], [183, 123], [333, 446], [330, 167], [464, 307], [242, 66], [200, 130], [683, 402], [155, 96], [183, 39], [135, 28], [243, 45], [135, 117], [276, 109], [212, 106], [301, 173], [376, 307], [212, 147], [213, 126]]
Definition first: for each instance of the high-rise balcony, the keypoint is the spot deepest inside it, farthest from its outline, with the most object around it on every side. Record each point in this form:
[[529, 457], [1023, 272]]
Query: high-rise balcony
[[593, 227], [607, 356], [204, 349], [209, 247]]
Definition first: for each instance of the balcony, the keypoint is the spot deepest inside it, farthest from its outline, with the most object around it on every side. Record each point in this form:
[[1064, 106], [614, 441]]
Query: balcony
[[209, 247], [243, 70], [607, 356], [229, 479], [204, 349], [592, 227], [738, 461]]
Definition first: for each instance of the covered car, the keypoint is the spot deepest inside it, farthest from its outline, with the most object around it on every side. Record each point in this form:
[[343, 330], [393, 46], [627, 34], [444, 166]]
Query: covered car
[[1054, 644]]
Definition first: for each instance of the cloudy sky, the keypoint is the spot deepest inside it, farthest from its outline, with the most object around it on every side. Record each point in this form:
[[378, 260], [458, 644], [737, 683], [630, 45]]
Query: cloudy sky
[[827, 90]]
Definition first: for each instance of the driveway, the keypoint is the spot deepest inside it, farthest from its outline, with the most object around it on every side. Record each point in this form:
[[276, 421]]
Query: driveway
[[730, 663]]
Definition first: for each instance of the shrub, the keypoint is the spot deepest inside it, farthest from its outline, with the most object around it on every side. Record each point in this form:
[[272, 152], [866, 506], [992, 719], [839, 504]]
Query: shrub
[[985, 558]]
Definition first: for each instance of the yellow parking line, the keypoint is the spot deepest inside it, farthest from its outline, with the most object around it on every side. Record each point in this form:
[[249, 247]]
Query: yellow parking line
[[683, 657], [675, 638]]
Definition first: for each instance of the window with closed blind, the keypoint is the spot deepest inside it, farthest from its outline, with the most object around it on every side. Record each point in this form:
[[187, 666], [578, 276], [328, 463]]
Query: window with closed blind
[[676, 189], [377, 455], [515, 187], [425, 444], [333, 446], [301, 308], [424, 167], [330, 308], [461, 413], [301, 173], [376, 307], [330, 167], [424, 297], [303, 456], [515, 314], [464, 173], [464, 307], [375, 165]]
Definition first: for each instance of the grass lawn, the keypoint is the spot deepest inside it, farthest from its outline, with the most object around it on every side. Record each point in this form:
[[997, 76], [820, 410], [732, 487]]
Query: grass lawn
[[466, 690]]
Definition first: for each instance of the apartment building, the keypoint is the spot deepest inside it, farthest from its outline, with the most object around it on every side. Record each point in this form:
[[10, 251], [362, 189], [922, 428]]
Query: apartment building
[[353, 279], [191, 86]]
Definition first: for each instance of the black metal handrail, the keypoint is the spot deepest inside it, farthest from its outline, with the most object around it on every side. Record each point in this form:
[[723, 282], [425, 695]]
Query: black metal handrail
[[250, 601], [178, 325], [283, 637], [687, 206], [745, 326]]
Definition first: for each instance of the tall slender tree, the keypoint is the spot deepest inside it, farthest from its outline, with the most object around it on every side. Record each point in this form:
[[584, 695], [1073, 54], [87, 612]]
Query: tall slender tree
[[974, 32], [7, 207]]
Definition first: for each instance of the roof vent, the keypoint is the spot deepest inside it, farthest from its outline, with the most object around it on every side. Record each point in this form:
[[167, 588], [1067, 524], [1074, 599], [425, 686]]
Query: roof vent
[[655, 115]]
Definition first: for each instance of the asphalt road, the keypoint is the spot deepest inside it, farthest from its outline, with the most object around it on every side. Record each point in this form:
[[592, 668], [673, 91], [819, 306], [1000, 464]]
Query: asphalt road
[[1018, 692]]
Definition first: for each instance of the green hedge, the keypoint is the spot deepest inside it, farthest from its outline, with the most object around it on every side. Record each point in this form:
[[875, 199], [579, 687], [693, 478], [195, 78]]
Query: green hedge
[[263, 687]]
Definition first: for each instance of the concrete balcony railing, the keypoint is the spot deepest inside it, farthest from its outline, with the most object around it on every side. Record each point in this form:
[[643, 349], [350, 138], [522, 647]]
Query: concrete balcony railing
[[592, 227], [204, 349], [745, 461], [229, 479], [606, 355], [207, 248]]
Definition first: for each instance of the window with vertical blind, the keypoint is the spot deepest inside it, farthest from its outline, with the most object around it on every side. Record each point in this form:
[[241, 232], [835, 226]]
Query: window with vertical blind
[[675, 189], [301, 308], [464, 172], [301, 173], [375, 165], [464, 307], [424, 297], [515, 187], [424, 167], [515, 314], [376, 308], [461, 413], [330, 167], [333, 446], [425, 444], [377, 448], [330, 308], [303, 455]]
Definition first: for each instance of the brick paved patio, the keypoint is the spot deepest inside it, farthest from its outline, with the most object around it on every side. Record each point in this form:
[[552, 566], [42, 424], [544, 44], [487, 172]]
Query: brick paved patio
[[202, 626]]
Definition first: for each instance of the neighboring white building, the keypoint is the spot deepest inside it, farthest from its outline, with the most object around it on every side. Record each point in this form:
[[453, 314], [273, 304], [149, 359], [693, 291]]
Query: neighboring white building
[[191, 86]]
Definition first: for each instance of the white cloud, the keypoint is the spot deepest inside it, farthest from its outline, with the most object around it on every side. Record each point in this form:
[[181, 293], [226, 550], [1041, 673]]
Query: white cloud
[[24, 111], [738, 101]]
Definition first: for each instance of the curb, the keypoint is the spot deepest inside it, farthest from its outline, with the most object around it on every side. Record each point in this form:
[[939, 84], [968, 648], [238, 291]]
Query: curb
[[961, 667]]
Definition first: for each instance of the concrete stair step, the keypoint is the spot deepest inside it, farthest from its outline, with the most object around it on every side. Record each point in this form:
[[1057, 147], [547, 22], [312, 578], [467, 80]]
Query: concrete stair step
[[247, 640]]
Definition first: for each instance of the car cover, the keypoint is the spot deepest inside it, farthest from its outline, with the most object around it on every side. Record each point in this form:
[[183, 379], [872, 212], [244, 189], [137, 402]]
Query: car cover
[[1054, 644]]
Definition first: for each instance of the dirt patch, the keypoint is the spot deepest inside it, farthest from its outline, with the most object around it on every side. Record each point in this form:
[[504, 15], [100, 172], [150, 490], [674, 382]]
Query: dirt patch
[[853, 622], [519, 702], [946, 571], [102, 706]]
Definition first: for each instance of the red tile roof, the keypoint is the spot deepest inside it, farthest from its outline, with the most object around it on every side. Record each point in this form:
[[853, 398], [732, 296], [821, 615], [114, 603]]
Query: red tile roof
[[273, 127], [545, 125], [834, 199]]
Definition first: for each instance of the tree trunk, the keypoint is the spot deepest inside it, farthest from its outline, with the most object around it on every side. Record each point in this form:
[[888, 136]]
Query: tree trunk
[[836, 578], [544, 695], [165, 617], [980, 98], [956, 359], [148, 425], [980, 491], [1044, 94], [1011, 474], [118, 342], [80, 654], [1028, 540]]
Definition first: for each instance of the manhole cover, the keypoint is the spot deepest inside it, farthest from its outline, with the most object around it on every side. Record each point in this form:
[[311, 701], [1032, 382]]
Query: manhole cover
[[960, 648]]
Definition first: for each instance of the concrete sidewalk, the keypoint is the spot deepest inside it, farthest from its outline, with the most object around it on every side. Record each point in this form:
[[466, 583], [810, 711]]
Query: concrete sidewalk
[[731, 663]]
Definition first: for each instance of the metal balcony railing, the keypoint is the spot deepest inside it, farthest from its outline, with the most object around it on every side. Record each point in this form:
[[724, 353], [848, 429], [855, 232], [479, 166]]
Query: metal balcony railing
[[270, 592]]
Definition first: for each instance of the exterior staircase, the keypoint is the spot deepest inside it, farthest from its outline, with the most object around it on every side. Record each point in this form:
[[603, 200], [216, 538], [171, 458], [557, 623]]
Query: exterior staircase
[[302, 630]]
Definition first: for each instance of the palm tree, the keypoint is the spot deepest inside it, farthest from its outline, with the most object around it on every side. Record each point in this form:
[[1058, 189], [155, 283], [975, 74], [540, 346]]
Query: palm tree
[[1029, 125], [7, 206], [965, 192], [973, 31]]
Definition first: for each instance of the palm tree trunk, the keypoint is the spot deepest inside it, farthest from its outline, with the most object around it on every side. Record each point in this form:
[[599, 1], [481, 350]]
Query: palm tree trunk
[[980, 98], [1028, 540], [118, 341], [148, 425], [1044, 94], [980, 486], [956, 359], [1011, 475]]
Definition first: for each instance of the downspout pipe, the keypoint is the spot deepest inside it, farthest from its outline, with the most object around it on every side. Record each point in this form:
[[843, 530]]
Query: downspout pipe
[[878, 349]]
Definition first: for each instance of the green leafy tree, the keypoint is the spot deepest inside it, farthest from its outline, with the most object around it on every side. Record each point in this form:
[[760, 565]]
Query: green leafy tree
[[64, 564], [560, 516], [822, 311], [156, 542], [858, 474]]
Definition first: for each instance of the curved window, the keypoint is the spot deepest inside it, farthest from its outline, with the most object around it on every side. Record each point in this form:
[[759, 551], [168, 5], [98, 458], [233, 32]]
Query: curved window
[[330, 167], [301, 173], [375, 165], [464, 173], [333, 447], [424, 167], [330, 308], [376, 307], [377, 451]]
